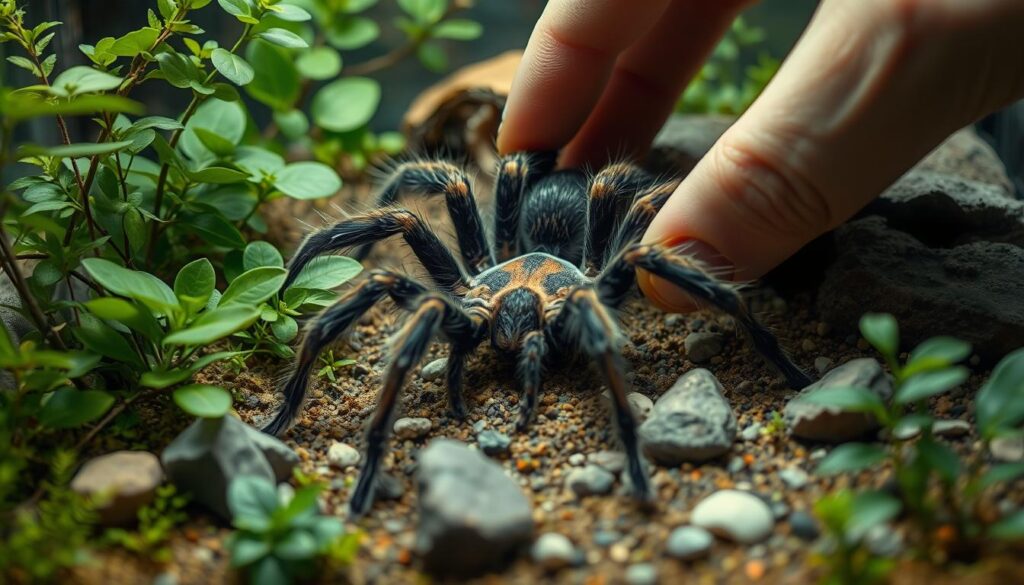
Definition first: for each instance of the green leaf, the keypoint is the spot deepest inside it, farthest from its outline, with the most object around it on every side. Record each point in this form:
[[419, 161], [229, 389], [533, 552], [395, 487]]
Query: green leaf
[[226, 119], [307, 180], [882, 332], [327, 272], [165, 378], [425, 11], [213, 325], [141, 286], [269, 571], [285, 328], [940, 458], [928, 384], [346, 104], [253, 498], [254, 286], [1009, 528], [82, 79], [284, 38], [203, 401], [135, 317], [432, 56], [75, 150], [25, 107], [459, 29], [98, 337], [276, 80], [851, 457], [194, 284], [68, 408], [354, 32], [294, 124], [1001, 474], [231, 66], [848, 399], [259, 254], [936, 353], [135, 42], [296, 545], [290, 13], [354, 6], [258, 161], [214, 142], [246, 550], [999, 405], [157, 122], [869, 509], [319, 63], [215, 230], [218, 175], [240, 9], [178, 69]]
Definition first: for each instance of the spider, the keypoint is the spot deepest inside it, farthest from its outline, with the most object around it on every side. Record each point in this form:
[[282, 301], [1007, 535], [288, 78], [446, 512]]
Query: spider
[[563, 258]]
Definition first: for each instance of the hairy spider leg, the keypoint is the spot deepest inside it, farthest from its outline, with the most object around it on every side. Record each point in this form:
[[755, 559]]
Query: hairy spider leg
[[529, 370], [377, 225], [434, 312], [515, 175], [434, 178], [331, 324], [587, 323], [611, 189], [554, 215], [647, 204], [692, 277]]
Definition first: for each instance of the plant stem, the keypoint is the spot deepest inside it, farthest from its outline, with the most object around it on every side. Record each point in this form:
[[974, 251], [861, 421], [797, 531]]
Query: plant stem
[[10, 265]]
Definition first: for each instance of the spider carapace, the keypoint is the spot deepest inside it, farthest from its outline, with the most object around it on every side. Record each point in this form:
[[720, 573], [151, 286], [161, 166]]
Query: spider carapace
[[561, 259]]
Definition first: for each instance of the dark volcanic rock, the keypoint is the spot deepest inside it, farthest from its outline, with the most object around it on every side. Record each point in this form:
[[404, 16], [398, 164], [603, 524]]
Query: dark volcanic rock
[[818, 422], [970, 291], [692, 421], [473, 516]]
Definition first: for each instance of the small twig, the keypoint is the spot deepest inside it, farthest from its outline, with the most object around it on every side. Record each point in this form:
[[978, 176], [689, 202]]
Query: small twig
[[10, 265]]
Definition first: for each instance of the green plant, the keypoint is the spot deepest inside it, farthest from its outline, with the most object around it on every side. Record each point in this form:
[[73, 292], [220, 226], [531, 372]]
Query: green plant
[[156, 521], [932, 478], [723, 85], [776, 427], [847, 518], [332, 365], [280, 541]]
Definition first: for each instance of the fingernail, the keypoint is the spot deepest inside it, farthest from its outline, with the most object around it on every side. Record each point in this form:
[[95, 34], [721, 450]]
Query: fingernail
[[671, 298]]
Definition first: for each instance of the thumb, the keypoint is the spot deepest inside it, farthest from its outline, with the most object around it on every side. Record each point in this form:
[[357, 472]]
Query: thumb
[[867, 92]]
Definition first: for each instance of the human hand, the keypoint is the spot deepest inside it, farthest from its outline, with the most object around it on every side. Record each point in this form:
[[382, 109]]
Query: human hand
[[869, 89]]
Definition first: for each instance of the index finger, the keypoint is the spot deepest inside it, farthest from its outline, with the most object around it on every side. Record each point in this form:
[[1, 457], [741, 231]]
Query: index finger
[[566, 66]]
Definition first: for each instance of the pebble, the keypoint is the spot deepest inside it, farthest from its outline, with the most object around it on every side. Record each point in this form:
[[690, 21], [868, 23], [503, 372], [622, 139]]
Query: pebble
[[736, 515], [642, 574], [412, 428], [493, 442], [589, 481], [827, 423], [553, 551], [688, 543], [342, 455], [941, 428], [701, 347], [803, 525], [691, 422], [435, 370], [794, 477], [577, 459], [606, 538], [467, 498], [751, 432], [884, 541], [640, 404], [123, 481], [613, 461], [822, 364], [1008, 449]]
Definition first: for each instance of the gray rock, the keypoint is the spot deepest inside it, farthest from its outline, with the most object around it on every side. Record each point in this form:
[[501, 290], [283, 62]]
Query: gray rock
[[941, 428], [967, 155], [210, 453], [803, 525], [738, 516], [613, 461], [577, 459], [975, 286], [642, 574], [751, 432], [435, 370], [701, 347], [822, 364], [590, 480], [794, 477], [493, 442], [818, 422], [342, 455], [412, 428], [119, 483], [472, 515], [691, 422], [640, 404], [553, 551], [1008, 449], [689, 543], [884, 541]]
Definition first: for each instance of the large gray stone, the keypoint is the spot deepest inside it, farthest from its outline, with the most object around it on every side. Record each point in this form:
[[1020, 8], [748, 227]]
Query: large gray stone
[[119, 483], [691, 422], [970, 291], [818, 422], [208, 455], [473, 516], [967, 155]]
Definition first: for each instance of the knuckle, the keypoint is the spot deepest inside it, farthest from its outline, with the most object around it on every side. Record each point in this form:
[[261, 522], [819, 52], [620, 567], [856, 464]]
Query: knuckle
[[768, 193]]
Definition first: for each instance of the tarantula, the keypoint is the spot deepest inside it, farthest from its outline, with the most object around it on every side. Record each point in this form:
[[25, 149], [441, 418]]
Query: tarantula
[[563, 259]]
